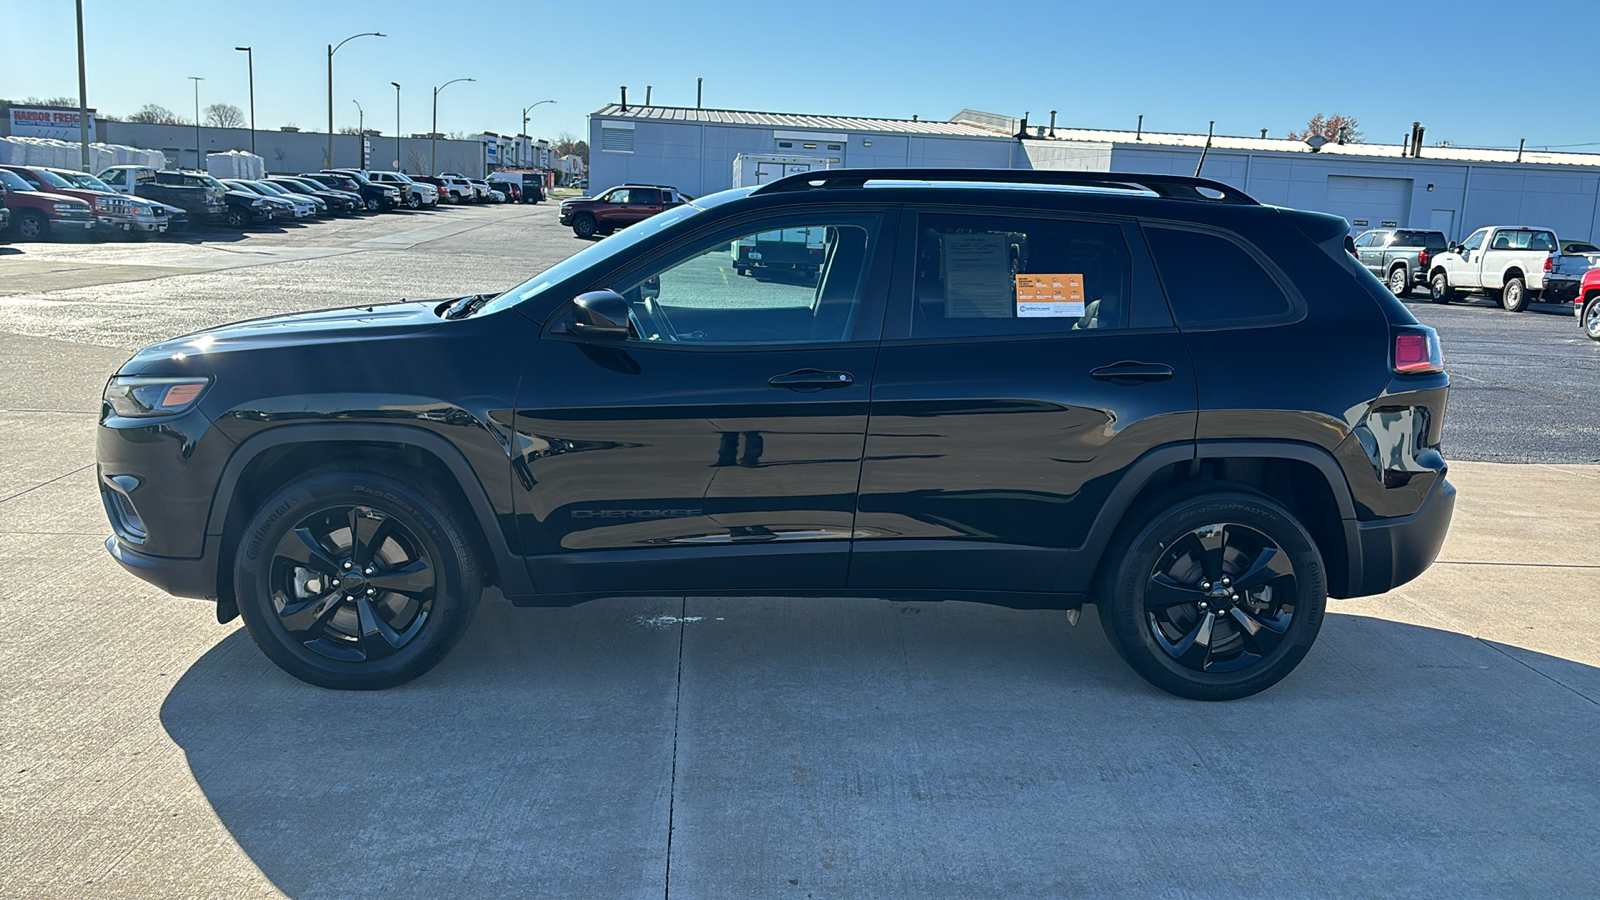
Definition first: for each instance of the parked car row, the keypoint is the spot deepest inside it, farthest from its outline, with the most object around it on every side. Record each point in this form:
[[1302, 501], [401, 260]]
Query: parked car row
[[40, 202], [1511, 264]]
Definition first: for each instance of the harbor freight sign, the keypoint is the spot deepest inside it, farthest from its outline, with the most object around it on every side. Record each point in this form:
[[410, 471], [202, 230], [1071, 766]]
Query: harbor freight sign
[[61, 124]]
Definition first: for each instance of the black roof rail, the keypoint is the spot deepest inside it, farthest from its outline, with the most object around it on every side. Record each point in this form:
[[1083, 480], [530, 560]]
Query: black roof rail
[[1170, 187]]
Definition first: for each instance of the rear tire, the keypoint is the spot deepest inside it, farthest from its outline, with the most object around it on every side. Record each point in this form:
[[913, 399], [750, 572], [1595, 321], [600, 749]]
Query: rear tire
[[1514, 296], [1439, 289], [1591, 318], [1225, 640], [352, 579], [1399, 281]]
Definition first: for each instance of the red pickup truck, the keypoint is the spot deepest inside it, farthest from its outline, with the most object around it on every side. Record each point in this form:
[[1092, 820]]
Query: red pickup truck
[[1586, 306], [35, 215], [112, 210], [618, 208]]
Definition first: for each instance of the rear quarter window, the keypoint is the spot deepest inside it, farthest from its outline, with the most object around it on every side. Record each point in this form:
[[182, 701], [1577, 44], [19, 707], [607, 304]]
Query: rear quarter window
[[1212, 282]]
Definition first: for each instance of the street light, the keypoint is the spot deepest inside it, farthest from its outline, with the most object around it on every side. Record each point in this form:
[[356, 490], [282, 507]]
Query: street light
[[250, 55], [361, 126], [433, 136], [396, 125], [332, 49], [83, 100], [199, 161], [525, 126]]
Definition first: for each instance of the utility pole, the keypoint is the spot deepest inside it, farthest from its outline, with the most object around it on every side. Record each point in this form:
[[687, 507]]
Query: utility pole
[[83, 89], [361, 127], [199, 160], [396, 125], [433, 136], [332, 49], [524, 138], [250, 55]]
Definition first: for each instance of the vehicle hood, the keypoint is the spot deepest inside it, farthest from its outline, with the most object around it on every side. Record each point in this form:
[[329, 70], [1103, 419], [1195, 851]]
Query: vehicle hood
[[46, 196], [190, 353]]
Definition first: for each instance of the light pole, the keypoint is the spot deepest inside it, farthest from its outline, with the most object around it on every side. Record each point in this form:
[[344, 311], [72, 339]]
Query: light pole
[[250, 55], [199, 161], [361, 126], [433, 136], [332, 49], [396, 125], [83, 88], [525, 124]]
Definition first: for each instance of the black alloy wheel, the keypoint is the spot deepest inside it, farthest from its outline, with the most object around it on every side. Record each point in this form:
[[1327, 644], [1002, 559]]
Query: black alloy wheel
[[1399, 281], [584, 225], [354, 580], [1217, 597], [1439, 289], [1514, 296]]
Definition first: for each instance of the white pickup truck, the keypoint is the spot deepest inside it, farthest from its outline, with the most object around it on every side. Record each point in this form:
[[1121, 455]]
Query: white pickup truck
[[1508, 261]]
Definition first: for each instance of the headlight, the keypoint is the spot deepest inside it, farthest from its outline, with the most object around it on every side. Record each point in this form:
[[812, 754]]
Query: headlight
[[141, 397], [258, 203], [66, 207]]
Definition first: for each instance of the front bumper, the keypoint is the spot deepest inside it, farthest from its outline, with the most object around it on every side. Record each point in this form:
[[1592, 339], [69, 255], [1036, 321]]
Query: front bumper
[[194, 578], [135, 223], [1386, 553]]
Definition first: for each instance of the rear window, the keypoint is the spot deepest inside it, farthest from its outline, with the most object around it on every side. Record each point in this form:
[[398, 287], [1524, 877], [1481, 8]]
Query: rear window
[[1433, 240], [1212, 282], [1507, 239]]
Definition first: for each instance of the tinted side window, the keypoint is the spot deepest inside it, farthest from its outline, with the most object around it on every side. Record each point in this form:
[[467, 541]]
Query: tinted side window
[[642, 195], [1212, 281], [990, 275]]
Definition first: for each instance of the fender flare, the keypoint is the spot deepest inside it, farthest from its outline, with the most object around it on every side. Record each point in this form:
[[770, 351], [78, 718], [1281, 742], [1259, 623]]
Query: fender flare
[[1076, 577], [512, 571]]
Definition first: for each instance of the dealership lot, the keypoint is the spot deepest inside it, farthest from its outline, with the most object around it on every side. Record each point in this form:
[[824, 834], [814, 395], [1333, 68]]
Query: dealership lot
[[1438, 740]]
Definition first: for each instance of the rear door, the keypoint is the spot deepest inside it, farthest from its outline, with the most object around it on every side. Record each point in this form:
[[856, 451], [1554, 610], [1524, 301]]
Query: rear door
[[1028, 361], [719, 444]]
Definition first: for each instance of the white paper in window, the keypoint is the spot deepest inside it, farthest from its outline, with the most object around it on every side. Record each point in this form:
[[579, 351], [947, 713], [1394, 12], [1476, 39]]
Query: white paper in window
[[977, 276]]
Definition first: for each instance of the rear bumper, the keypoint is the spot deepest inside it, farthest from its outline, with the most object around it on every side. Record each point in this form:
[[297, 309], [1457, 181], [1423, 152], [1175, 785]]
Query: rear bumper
[[1387, 553], [1559, 290]]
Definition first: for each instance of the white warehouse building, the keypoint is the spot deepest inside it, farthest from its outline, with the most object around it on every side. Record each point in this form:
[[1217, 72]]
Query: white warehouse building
[[1454, 190]]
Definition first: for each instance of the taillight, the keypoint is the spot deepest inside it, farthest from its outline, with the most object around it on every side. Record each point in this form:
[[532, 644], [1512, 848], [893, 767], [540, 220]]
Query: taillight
[[1417, 351], [1548, 264], [1422, 257]]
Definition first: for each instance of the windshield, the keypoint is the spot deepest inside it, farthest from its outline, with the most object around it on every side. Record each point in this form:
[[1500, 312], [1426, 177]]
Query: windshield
[[84, 179], [616, 243], [240, 186], [399, 176], [13, 182], [52, 179], [273, 188]]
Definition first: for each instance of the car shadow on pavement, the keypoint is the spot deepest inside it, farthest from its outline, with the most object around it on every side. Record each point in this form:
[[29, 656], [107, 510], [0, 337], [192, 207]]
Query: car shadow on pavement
[[863, 748]]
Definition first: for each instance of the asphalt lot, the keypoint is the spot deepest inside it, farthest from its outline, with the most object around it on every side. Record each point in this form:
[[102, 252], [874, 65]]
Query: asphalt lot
[[1438, 741]]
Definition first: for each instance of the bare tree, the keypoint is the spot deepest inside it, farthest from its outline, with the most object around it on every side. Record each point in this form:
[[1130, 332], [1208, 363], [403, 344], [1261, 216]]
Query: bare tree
[[278, 154], [224, 115], [349, 129], [1335, 128], [156, 114], [50, 101], [568, 144], [418, 161]]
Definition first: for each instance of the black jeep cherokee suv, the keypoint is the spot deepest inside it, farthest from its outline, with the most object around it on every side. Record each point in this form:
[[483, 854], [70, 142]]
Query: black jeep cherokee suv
[[1035, 389]]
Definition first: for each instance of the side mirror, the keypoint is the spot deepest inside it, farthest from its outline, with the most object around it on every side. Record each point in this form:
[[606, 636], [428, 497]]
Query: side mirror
[[601, 314]]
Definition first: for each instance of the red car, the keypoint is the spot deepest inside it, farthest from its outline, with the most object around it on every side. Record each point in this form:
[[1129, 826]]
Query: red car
[[35, 215], [1586, 306]]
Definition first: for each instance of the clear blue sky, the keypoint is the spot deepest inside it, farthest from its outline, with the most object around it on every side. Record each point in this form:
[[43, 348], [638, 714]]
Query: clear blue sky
[[1509, 73]]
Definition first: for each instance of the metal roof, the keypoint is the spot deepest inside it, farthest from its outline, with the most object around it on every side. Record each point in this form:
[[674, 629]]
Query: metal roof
[[1283, 145], [793, 120]]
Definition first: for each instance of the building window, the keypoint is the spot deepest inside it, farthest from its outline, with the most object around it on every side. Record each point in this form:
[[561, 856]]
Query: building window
[[786, 144]]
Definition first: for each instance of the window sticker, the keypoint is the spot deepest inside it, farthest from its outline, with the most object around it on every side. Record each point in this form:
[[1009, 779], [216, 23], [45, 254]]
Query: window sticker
[[977, 269], [1049, 296]]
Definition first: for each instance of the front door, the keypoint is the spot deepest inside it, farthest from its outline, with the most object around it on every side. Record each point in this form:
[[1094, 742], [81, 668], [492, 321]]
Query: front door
[[1028, 361], [719, 445]]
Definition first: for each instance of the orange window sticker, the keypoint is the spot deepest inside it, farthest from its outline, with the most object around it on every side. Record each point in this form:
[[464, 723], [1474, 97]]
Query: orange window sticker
[[1046, 296]]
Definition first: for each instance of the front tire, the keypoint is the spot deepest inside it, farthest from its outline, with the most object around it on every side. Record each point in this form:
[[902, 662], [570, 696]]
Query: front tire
[[1439, 289], [373, 205], [1218, 596], [413, 202], [238, 218], [1591, 318], [31, 226], [584, 226], [1514, 296], [355, 580]]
